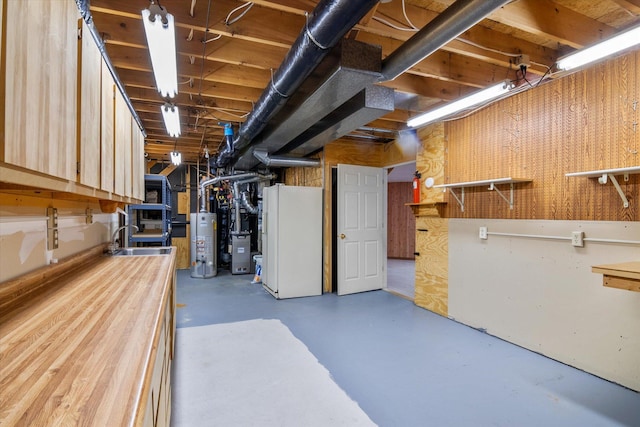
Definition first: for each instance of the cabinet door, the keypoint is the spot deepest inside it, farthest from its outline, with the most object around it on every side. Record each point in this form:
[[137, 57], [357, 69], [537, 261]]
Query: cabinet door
[[122, 147], [138, 162], [90, 83], [41, 86], [107, 114]]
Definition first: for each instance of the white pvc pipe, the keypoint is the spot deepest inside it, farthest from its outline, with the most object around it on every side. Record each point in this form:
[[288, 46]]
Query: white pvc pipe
[[586, 239]]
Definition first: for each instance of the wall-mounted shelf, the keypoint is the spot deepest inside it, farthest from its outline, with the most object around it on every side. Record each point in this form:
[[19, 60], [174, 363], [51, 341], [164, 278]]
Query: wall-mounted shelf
[[605, 175], [492, 187], [428, 204], [625, 275], [429, 208]]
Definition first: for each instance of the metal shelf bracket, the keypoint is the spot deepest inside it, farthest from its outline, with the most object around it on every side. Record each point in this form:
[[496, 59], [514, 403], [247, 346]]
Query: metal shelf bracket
[[492, 187], [605, 175], [603, 180], [460, 199]]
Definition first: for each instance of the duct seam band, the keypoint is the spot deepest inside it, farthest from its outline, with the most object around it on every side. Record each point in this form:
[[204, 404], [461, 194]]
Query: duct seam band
[[306, 29], [273, 85]]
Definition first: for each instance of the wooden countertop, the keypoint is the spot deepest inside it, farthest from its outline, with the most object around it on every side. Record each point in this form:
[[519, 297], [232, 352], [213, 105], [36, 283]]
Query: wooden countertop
[[624, 275], [76, 351]]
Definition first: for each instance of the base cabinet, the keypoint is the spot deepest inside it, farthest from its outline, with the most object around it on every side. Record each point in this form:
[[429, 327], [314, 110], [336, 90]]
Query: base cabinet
[[158, 409]]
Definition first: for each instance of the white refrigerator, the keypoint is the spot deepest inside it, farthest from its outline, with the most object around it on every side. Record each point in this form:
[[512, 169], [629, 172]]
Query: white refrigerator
[[292, 241]]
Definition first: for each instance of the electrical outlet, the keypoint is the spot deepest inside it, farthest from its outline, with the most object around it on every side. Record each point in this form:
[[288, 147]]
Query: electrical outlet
[[577, 238], [483, 233], [52, 239]]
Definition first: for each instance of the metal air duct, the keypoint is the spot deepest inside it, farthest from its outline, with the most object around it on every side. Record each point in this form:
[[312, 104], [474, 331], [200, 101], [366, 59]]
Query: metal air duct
[[349, 67], [241, 176], [453, 21], [366, 106], [282, 161], [326, 25]]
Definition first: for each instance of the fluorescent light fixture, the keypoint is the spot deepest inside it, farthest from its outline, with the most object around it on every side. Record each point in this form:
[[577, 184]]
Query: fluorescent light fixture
[[171, 117], [598, 51], [462, 104], [161, 38], [176, 158]]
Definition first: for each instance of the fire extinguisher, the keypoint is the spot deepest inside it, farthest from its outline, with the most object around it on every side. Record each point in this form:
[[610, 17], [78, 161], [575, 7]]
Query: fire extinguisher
[[416, 187]]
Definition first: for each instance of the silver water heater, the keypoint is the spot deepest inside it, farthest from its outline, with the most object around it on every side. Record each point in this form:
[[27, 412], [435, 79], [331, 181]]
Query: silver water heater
[[204, 262]]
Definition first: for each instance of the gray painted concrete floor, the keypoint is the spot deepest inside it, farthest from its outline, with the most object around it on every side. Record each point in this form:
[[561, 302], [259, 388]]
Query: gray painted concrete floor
[[401, 277], [406, 366]]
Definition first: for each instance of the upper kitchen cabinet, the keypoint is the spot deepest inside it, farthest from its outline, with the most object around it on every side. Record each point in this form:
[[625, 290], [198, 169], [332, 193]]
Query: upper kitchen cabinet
[[123, 169], [90, 109], [65, 125], [40, 47]]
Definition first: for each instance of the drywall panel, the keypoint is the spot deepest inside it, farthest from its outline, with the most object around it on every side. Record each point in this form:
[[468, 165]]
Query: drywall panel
[[542, 295], [23, 237]]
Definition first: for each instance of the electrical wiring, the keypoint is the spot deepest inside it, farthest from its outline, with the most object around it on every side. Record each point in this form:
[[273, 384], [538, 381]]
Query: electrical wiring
[[404, 12], [231, 114], [514, 91], [248, 7], [389, 24], [412, 28], [479, 46], [204, 47]]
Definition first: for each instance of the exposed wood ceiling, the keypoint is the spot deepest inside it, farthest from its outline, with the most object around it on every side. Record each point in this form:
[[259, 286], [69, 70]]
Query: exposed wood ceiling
[[221, 79]]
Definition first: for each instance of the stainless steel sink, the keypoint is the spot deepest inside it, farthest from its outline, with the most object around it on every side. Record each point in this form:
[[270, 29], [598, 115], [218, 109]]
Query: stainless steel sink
[[143, 251]]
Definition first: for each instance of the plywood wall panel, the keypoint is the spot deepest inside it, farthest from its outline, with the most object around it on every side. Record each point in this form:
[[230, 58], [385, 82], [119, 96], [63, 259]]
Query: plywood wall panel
[[430, 161], [305, 177], [431, 282], [580, 122], [401, 221]]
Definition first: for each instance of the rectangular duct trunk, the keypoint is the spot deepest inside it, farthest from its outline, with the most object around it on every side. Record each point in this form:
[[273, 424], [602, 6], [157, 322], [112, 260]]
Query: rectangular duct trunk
[[366, 106], [350, 67]]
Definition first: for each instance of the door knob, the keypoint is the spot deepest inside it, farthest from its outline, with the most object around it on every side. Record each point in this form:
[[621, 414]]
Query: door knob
[[342, 236]]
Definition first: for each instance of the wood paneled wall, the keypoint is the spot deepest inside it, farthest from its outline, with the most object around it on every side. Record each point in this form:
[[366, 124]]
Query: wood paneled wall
[[589, 120], [401, 229]]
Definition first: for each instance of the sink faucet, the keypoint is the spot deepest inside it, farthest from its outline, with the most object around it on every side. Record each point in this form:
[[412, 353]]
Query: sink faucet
[[113, 246]]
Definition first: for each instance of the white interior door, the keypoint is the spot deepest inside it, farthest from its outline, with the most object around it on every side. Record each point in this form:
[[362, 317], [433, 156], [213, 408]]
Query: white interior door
[[362, 229]]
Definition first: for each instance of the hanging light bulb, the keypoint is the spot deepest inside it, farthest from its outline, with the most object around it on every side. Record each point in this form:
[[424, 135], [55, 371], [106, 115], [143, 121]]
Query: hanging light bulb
[[171, 117], [161, 38], [176, 158]]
